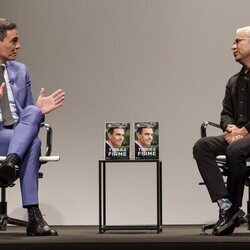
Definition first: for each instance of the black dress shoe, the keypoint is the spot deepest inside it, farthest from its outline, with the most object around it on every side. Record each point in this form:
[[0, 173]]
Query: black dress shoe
[[228, 220], [228, 231], [7, 173], [37, 226]]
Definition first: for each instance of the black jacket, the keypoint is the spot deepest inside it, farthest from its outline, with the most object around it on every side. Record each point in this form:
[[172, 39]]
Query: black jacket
[[236, 103]]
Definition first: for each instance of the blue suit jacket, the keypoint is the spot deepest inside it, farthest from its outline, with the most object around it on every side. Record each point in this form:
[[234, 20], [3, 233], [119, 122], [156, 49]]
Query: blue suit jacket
[[20, 83]]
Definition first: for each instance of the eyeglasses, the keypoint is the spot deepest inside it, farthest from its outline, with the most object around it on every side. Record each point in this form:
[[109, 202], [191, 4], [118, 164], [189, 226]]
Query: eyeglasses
[[238, 40]]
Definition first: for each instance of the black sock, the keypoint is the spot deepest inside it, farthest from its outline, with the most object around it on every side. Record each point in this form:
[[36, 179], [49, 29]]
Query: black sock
[[13, 158], [29, 207], [34, 212]]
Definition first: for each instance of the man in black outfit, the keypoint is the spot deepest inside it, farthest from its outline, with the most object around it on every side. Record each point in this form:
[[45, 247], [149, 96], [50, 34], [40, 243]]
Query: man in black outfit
[[234, 143]]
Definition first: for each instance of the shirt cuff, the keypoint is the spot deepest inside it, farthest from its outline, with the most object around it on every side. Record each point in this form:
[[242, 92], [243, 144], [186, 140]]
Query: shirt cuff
[[247, 126]]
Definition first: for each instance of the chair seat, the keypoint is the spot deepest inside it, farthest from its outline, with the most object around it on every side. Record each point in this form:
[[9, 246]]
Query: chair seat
[[222, 159], [45, 158], [42, 159]]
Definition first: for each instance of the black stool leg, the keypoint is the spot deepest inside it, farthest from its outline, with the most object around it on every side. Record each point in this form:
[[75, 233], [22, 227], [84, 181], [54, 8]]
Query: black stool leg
[[248, 209], [3, 210]]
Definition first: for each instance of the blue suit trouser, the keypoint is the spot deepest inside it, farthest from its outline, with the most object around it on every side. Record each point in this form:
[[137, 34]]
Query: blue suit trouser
[[23, 140]]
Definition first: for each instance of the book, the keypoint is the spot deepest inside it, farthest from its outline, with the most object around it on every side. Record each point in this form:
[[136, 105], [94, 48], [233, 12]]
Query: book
[[146, 140], [117, 141]]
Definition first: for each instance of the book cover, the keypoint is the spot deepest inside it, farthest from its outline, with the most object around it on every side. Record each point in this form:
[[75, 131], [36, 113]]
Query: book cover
[[146, 140], [117, 140]]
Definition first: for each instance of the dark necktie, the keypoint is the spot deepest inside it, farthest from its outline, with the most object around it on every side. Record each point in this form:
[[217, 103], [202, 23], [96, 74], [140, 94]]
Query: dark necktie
[[8, 119]]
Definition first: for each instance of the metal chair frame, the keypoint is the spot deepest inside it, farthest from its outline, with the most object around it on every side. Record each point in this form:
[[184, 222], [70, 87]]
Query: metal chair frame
[[4, 218]]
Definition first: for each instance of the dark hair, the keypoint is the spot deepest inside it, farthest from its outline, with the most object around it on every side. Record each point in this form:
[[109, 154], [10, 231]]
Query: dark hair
[[111, 129], [142, 126], [5, 25]]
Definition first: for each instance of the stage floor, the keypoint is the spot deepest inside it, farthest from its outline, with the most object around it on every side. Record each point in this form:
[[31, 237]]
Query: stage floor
[[88, 237]]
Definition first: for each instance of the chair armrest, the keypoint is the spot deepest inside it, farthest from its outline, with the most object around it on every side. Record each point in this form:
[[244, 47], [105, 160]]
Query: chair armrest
[[47, 156], [204, 126], [49, 137], [45, 159]]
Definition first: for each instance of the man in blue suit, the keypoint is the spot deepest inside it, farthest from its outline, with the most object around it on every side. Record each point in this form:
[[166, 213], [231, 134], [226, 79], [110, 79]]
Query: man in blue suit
[[19, 141]]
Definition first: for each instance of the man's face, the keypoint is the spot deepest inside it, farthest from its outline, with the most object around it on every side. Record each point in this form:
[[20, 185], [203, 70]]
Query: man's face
[[9, 46], [146, 137], [241, 47], [117, 137]]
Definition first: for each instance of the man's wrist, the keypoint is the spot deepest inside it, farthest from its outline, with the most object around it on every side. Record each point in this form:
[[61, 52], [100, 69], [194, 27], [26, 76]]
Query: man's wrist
[[243, 131]]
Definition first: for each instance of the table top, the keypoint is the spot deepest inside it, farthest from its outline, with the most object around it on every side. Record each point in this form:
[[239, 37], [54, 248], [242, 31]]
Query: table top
[[136, 160]]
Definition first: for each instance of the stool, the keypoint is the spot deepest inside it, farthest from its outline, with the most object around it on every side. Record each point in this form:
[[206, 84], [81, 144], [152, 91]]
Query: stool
[[102, 197]]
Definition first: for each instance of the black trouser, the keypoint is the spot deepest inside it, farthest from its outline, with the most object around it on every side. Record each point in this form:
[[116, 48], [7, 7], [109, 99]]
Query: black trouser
[[205, 151]]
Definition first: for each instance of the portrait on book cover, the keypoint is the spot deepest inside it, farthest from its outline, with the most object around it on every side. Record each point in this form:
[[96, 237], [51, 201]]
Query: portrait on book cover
[[146, 140], [117, 140]]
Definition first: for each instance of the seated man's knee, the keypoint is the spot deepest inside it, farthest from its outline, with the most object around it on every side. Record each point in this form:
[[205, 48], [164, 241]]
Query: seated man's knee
[[199, 147], [33, 113]]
